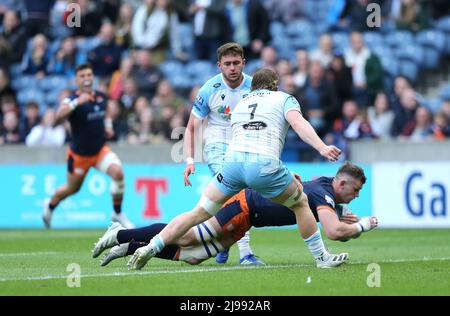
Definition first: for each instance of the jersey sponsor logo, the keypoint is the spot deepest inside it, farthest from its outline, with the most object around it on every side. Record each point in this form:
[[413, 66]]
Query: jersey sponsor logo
[[216, 85], [223, 97], [254, 126], [220, 178], [245, 95], [329, 200], [225, 112]]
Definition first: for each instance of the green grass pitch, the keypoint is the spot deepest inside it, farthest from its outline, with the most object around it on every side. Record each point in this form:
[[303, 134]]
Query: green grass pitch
[[411, 262]]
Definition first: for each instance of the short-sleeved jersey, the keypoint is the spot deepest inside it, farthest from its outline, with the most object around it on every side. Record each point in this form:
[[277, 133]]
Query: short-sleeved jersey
[[320, 193], [87, 125], [264, 212], [215, 101], [259, 122]]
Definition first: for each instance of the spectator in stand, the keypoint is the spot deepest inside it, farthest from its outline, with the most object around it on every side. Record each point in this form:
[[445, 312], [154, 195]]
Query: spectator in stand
[[155, 27], [286, 11], [45, 133], [269, 58], [401, 83], [381, 116], [91, 19], [165, 99], [129, 95], [249, 23], [66, 59], [124, 36], [120, 125], [405, 113], [5, 84], [8, 103], [410, 15], [360, 127], [146, 73], [341, 77], [105, 58], [12, 39], [141, 131], [302, 68], [323, 54], [418, 129], [30, 119], [342, 125], [38, 15], [367, 71], [284, 67], [9, 130], [440, 129], [319, 103], [210, 27], [35, 62], [116, 85], [354, 14]]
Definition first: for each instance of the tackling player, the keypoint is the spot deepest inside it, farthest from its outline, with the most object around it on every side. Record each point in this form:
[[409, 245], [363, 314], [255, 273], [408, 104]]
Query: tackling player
[[86, 111], [248, 209]]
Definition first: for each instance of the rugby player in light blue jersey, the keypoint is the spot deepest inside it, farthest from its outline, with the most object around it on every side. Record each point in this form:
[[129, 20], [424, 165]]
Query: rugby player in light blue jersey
[[215, 101], [259, 127]]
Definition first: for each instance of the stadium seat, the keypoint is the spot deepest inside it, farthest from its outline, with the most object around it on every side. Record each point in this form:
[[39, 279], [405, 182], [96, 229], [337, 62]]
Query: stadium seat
[[443, 24], [196, 68], [277, 29], [27, 95], [390, 65], [54, 83], [341, 41], [445, 92], [410, 52], [252, 66], [431, 38], [299, 27], [399, 38], [171, 68], [433, 104], [181, 81], [409, 69], [24, 81], [431, 58], [373, 39]]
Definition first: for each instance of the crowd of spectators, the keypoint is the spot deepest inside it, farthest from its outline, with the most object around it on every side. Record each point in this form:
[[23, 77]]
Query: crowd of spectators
[[343, 92]]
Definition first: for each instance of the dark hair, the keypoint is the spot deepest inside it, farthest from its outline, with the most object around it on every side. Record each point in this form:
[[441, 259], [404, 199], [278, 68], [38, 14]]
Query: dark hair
[[230, 49], [83, 67], [353, 171], [265, 78]]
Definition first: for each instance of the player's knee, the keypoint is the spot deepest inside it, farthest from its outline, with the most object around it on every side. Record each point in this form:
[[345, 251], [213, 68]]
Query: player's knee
[[297, 198], [208, 205]]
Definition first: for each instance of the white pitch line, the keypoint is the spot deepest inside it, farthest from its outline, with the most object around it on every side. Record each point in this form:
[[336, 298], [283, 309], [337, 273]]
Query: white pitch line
[[17, 254], [197, 270]]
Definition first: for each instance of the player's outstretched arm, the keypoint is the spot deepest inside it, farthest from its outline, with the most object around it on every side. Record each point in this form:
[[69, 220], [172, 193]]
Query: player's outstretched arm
[[307, 133], [338, 230], [192, 132]]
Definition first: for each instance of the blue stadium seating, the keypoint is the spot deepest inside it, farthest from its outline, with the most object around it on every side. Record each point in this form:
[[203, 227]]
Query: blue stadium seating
[[171, 68], [443, 24], [24, 81], [399, 38], [373, 39], [54, 83]]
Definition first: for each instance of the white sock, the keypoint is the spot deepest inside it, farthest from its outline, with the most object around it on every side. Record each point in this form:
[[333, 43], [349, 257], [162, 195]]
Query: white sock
[[316, 245], [244, 245], [157, 243]]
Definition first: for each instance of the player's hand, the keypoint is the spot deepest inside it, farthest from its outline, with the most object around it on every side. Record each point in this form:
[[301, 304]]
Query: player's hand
[[84, 98], [368, 223], [349, 218], [190, 168], [330, 152]]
